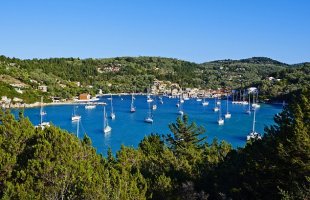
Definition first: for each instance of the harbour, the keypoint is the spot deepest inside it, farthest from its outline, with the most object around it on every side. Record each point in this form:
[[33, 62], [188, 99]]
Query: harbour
[[129, 128]]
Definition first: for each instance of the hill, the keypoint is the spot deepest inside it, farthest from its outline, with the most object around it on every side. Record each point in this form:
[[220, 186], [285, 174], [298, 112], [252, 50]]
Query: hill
[[67, 77]]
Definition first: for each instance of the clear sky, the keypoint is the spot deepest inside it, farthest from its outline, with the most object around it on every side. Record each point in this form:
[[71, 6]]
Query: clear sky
[[193, 30]]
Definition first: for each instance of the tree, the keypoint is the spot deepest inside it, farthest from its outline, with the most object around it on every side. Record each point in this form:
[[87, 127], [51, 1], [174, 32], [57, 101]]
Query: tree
[[185, 136]]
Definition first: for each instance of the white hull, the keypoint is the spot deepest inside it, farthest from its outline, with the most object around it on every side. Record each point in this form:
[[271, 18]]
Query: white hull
[[227, 115], [43, 125], [198, 99], [253, 135], [75, 118], [112, 116], [216, 109], [240, 102], [205, 103], [90, 107], [154, 107], [181, 112], [220, 122], [148, 120], [255, 105], [149, 100], [107, 129]]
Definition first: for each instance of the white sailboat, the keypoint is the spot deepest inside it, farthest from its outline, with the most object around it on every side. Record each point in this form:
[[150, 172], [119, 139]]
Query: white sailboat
[[220, 120], [42, 113], [154, 106], [106, 127], [180, 110], [112, 115], [204, 103], [248, 111], [90, 106], [244, 102], [255, 102], [132, 107], [75, 117], [161, 100], [253, 135], [149, 99], [228, 114], [216, 108], [149, 117]]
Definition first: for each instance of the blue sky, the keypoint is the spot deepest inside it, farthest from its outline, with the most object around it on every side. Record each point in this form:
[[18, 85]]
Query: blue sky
[[197, 30]]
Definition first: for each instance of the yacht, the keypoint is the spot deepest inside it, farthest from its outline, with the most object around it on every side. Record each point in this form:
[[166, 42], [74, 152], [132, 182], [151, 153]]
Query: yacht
[[132, 107], [75, 117], [220, 120], [253, 135], [216, 108], [112, 115], [149, 117], [90, 106], [106, 127], [42, 113], [227, 115]]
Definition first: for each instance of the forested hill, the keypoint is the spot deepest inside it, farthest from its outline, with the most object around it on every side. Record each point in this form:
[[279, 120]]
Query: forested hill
[[126, 74]]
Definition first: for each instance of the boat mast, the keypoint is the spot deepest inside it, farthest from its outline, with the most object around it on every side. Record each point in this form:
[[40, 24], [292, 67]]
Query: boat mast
[[104, 118], [41, 110], [227, 104], [253, 127], [249, 101], [77, 128], [111, 105]]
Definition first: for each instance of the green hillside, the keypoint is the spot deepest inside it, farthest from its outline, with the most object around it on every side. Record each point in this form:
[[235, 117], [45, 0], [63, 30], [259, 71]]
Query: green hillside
[[128, 74]]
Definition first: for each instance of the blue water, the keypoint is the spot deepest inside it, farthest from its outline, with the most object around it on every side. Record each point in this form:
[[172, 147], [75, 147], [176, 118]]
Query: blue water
[[130, 128]]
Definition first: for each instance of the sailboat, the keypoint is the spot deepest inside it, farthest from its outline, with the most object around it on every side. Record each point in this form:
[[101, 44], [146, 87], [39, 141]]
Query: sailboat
[[205, 103], [106, 127], [132, 107], [244, 102], [253, 134], [154, 106], [220, 120], [227, 115], [112, 115], [161, 100], [180, 110], [90, 106], [149, 117], [216, 108], [149, 99], [42, 113], [255, 103], [75, 117], [248, 111]]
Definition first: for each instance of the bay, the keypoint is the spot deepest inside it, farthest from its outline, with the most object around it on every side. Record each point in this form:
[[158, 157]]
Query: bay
[[129, 128]]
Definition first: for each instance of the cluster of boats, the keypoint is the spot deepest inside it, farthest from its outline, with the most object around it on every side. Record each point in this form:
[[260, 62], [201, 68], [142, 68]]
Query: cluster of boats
[[153, 106]]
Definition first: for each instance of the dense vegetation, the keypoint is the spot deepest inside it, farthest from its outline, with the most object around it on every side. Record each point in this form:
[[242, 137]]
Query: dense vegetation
[[53, 164], [127, 74]]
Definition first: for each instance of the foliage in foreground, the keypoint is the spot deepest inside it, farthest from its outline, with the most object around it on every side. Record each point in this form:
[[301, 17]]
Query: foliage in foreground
[[53, 164]]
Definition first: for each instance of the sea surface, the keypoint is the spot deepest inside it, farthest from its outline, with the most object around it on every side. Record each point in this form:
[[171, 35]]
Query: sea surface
[[129, 128]]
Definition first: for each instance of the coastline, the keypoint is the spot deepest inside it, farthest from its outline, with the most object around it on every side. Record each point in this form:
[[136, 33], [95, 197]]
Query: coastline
[[90, 101]]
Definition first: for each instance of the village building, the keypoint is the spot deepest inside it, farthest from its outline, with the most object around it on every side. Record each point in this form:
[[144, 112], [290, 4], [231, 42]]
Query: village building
[[84, 96], [43, 88]]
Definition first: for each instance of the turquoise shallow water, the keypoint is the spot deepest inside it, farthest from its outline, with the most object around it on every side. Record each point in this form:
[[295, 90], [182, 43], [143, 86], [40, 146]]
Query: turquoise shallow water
[[130, 128]]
